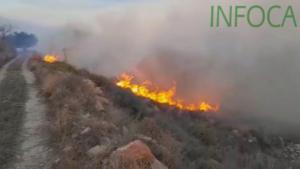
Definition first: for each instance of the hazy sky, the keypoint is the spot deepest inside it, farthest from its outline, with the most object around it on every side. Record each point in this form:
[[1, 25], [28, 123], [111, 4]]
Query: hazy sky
[[58, 11], [254, 71]]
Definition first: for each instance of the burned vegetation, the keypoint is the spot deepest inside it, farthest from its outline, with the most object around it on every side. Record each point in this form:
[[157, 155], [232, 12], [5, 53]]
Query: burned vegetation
[[95, 124]]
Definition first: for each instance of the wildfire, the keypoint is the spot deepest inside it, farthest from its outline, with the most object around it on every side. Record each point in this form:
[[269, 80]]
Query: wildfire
[[147, 90], [50, 58]]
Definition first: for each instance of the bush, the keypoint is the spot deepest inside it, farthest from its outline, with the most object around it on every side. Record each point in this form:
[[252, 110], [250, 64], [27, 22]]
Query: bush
[[6, 52], [205, 133]]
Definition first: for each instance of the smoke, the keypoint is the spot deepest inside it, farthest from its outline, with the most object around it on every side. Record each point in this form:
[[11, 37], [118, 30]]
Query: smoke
[[252, 72]]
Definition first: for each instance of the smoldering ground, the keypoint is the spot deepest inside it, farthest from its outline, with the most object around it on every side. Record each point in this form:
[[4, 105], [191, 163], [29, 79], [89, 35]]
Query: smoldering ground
[[253, 73]]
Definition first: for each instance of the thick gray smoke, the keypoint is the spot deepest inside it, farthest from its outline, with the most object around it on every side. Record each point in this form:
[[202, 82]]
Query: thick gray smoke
[[253, 72]]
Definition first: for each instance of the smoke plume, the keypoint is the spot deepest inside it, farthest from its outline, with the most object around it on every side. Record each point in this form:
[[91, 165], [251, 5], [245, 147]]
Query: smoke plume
[[252, 72]]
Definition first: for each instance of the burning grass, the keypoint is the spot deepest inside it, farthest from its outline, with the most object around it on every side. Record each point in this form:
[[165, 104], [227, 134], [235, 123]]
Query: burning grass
[[50, 58], [150, 91]]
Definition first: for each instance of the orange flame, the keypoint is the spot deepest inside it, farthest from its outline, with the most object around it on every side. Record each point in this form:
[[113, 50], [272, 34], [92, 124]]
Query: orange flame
[[50, 58], [168, 97]]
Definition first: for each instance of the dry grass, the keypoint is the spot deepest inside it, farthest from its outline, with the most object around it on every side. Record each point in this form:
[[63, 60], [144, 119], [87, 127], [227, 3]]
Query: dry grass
[[114, 118], [6, 52]]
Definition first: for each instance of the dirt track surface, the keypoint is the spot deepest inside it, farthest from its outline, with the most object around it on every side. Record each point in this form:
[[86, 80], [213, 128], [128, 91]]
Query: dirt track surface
[[23, 141], [13, 94]]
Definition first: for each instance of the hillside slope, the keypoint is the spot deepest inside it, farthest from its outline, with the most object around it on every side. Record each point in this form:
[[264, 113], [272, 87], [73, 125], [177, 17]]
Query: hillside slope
[[94, 124]]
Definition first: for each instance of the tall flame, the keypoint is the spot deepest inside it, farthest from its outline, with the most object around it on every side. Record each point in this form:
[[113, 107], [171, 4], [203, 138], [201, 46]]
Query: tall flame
[[145, 89], [50, 58]]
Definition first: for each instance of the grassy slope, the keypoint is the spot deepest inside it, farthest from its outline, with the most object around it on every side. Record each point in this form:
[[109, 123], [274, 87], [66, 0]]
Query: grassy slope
[[178, 139]]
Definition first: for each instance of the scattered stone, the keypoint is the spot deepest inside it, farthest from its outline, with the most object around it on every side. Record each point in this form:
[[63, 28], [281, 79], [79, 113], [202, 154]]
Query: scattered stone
[[106, 140], [67, 149], [125, 130], [103, 100], [281, 141], [213, 164], [252, 140], [145, 138], [86, 116], [85, 131], [290, 149], [108, 125], [99, 91], [97, 150], [56, 161], [74, 136], [212, 121], [135, 154], [89, 83], [235, 132], [99, 106], [158, 165]]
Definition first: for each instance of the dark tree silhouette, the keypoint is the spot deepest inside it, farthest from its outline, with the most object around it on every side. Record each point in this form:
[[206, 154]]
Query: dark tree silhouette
[[23, 40], [5, 30]]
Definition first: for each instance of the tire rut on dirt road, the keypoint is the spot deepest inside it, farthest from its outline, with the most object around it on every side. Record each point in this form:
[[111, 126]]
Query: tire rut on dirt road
[[3, 70], [23, 142], [33, 152], [13, 94]]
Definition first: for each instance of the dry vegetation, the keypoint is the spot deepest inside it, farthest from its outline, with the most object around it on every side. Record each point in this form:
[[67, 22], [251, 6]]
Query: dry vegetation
[[90, 119], [6, 52]]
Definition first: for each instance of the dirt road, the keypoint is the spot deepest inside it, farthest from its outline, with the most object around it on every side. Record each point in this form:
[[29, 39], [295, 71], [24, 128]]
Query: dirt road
[[23, 143]]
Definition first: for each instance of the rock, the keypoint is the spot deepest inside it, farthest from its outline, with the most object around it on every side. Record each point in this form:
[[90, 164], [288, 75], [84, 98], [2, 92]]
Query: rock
[[213, 164], [236, 132], [97, 150], [74, 136], [104, 100], [158, 165], [67, 149], [135, 155], [99, 105], [281, 142], [106, 140], [149, 140], [89, 83], [212, 121], [290, 149], [56, 161], [98, 91], [85, 131], [145, 138], [252, 140], [86, 116], [108, 125], [125, 130]]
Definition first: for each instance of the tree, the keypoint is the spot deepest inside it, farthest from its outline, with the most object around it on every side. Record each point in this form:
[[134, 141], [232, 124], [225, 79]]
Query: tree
[[5, 30], [23, 40], [6, 49]]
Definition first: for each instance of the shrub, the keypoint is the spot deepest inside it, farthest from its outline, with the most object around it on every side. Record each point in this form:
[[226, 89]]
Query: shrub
[[205, 133]]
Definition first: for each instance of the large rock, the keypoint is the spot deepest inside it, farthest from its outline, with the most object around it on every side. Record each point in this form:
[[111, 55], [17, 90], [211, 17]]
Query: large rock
[[135, 155], [97, 150]]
